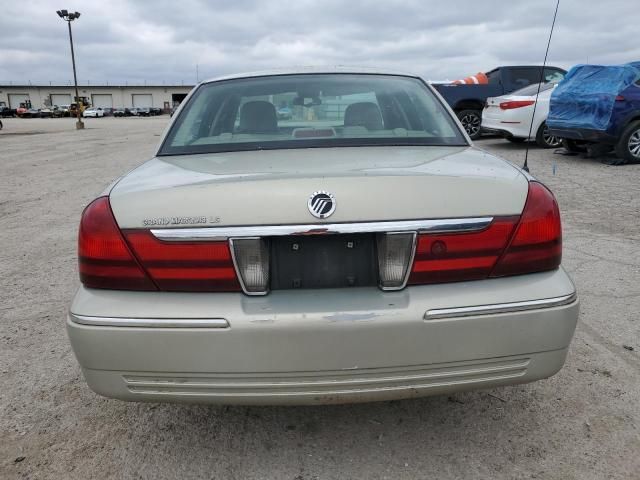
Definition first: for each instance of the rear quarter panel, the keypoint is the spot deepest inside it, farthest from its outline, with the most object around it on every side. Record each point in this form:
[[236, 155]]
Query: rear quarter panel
[[626, 111], [457, 95]]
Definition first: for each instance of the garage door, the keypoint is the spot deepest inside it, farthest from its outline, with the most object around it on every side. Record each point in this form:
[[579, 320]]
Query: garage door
[[102, 100], [141, 100], [60, 99], [15, 99]]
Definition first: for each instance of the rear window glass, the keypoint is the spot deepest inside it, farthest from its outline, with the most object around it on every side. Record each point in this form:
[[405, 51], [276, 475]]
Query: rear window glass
[[524, 76], [311, 110], [533, 89]]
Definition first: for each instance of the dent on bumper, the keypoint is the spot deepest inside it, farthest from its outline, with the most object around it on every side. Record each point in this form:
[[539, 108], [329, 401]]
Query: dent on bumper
[[324, 346]]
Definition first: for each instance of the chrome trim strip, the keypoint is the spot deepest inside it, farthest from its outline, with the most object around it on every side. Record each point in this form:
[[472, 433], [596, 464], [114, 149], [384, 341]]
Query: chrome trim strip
[[441, 313], [419, 226], [149, 322]]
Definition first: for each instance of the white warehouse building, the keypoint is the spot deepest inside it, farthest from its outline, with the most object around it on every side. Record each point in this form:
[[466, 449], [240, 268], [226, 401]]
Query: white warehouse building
[[114, 96]]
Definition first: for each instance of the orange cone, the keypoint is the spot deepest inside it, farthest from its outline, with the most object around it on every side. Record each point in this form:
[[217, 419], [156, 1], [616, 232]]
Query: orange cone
[[477, 79]]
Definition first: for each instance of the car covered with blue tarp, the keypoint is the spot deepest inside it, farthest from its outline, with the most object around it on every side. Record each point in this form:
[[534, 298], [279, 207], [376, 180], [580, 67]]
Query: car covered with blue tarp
[[599, 104]]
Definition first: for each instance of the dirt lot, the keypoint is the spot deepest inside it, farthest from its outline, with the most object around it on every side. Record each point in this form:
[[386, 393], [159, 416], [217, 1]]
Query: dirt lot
[[584, 423]]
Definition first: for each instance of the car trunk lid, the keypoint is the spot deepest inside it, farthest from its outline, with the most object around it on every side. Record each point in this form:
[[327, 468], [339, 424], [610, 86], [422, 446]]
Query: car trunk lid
[[272, 187]]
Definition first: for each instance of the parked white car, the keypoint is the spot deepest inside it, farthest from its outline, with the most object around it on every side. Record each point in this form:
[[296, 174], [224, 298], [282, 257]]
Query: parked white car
[[93, 112], [362, 249], [510, 116]]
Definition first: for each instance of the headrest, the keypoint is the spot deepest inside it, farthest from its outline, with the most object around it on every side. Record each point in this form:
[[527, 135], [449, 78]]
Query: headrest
[[363, 114], [258, 117]]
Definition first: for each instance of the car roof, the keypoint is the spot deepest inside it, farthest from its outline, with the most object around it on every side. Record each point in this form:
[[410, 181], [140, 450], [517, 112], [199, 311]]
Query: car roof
[[313, 70]]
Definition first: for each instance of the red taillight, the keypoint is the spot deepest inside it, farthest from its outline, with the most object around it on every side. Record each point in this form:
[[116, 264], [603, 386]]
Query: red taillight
[[516, 104], [103, 256], [620, 98], [537, 243], [509, 246], [460, 256], [136, 260], [185, 266]]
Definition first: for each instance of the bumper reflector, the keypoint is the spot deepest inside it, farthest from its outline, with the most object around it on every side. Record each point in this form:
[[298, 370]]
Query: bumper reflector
[[251, 259], [395, 255]]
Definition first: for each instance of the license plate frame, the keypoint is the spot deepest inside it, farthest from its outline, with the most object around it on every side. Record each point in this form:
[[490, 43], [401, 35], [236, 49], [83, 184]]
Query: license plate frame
[[323, 261]]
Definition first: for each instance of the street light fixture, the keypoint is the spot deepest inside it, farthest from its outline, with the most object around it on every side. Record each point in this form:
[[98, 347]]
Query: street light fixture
[[70, 17]]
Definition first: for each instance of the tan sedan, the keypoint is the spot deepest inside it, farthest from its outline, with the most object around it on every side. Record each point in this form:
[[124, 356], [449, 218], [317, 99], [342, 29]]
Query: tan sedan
[[359, 249]]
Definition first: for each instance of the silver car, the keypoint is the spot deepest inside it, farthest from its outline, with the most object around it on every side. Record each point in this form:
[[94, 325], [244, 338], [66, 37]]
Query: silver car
[[360, 249]]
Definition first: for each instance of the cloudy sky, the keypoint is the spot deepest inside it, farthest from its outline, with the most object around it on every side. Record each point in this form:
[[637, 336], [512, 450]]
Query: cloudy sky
[[159, 41]]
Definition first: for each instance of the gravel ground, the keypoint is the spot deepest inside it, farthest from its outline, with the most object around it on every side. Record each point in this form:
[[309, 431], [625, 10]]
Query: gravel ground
[[584, 423]]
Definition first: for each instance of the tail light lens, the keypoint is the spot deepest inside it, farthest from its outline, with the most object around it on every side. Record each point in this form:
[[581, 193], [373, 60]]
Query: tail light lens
[[136, 260], [460, 256], [104, 259], [516, 104], [509, 246], [537, 243], [185, 266]]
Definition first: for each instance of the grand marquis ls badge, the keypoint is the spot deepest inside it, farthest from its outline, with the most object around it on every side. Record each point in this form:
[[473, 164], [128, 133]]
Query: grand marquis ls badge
[[321, 204]]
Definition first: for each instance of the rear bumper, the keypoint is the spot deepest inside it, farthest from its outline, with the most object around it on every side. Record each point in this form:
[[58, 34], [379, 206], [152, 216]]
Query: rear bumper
[[501, 132], [585, 134], [506, 127], [324, 346]]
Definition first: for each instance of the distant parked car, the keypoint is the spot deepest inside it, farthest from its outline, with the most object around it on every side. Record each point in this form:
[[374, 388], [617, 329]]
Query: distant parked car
[[284, 113], [29, 113], [468, 99], [6, 112], [156, 111], [599, 105], [134, 111], [144, 112], [121, 112], [46, 112], [510, 116], [58, 111], [93, 112], [108, 111]]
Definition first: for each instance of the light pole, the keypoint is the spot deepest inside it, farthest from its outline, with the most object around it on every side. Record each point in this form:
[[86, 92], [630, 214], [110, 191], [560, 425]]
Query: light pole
[[70, 17]]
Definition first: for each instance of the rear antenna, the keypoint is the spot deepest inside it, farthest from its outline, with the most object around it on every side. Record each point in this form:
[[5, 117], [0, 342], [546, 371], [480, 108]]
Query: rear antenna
[[525, 167]]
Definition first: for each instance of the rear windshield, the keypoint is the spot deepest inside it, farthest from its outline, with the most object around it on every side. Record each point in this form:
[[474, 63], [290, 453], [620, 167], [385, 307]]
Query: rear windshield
[[531, 90], [319, 110]]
